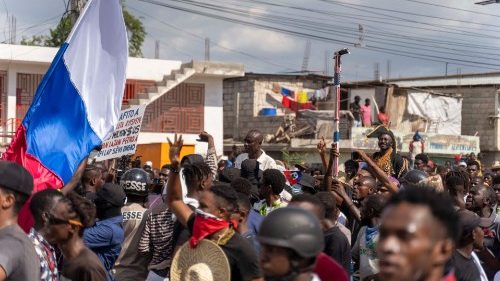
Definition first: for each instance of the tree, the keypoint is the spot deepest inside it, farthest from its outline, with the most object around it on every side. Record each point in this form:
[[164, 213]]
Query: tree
[[58, 35]]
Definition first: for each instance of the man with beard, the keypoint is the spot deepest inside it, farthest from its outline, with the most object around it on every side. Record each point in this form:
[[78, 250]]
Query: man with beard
[[417, 236], [387, 158], [364, 250], [253, 143]]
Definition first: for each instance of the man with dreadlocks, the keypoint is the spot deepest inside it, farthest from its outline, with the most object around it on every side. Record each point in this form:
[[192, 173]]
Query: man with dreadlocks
[[387, 158], [457, 183]]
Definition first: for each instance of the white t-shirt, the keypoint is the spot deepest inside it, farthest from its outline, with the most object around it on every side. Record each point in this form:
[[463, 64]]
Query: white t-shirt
[[265, 161]]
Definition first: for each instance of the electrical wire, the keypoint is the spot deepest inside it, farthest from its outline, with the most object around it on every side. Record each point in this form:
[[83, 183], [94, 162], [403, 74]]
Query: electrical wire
[[217, 44], [464, 62], [452, 8], [407, 13]]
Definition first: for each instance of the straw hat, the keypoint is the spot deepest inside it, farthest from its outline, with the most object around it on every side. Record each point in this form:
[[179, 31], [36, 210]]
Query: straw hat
[[206, 262]]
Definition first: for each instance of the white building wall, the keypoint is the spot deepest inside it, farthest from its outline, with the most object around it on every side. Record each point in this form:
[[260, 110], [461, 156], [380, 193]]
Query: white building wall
[[213, 116]]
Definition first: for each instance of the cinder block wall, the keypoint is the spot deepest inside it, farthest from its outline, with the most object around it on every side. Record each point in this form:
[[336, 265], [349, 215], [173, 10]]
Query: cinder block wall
[[255, 94], [477, 105]]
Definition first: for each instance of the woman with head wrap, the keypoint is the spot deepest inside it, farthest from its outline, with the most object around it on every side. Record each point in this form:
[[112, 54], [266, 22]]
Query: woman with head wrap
[[387, 158]]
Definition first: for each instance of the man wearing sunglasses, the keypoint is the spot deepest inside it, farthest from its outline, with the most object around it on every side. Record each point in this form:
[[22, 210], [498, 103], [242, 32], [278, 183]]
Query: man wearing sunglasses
[[41, 205], [17, 254]]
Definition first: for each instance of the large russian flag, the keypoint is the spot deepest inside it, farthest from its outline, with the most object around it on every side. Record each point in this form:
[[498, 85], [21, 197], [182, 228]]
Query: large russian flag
[[78, 102]]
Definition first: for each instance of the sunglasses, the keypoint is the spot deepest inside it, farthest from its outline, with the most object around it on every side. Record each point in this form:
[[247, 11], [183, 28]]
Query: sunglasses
[[56, 221]]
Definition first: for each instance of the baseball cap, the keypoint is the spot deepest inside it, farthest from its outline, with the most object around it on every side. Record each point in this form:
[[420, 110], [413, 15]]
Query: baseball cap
[[112, 193], [462, 164], [468, 221], [15, 177]]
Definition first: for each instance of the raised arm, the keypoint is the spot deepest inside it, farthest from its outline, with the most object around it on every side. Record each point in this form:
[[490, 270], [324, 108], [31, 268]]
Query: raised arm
[[322, 151], [378, 173], [339, 189], [211, 158], [70, 186], [174, 189]]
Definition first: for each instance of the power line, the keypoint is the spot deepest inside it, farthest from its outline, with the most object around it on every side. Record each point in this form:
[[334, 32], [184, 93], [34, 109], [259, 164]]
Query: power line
[[184, 31], [408, 13], [446, 27], [315, 27], [327, 39], [295, 18], [453, 8]]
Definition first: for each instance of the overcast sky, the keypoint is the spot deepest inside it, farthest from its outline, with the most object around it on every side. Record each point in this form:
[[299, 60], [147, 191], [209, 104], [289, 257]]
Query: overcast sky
[[408, 27]]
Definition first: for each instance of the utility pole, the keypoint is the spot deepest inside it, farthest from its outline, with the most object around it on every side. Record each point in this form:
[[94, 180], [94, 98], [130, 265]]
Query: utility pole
[[76, 7], [446, 70], [157, 49], [376, 71], [307, 54], [388, 70], [326, 62], [12, 30], [207, 49]]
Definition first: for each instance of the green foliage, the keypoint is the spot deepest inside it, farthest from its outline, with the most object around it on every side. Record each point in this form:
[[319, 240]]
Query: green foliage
[[136, 33], [292, 158], [58, 35]]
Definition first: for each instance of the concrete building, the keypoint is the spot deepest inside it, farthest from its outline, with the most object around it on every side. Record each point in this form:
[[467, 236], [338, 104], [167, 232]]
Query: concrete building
[[182, 97], [245, 97], [480, 105]]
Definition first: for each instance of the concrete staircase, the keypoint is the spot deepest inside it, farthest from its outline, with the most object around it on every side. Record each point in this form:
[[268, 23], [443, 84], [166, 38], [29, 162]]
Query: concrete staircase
[[169, 82], [187, 70]]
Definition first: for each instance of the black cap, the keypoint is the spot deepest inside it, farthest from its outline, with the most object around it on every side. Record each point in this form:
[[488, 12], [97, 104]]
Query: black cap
[[112, 193], [469, 221], [308, 181], [15, 177]]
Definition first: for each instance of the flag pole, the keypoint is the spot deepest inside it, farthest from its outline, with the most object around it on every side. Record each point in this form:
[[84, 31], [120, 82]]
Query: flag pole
[[336, 85]]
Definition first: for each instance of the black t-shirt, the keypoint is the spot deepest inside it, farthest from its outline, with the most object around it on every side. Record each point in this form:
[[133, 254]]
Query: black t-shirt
[[85, 267], [337, 247], [181, 234], [241, 255], [465, 268]]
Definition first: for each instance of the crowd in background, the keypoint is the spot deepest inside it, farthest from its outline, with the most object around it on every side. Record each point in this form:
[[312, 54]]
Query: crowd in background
[[385, 217]]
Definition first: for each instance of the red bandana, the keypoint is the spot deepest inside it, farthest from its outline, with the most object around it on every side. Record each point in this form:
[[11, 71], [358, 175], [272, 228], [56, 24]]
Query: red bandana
[[204, 226]]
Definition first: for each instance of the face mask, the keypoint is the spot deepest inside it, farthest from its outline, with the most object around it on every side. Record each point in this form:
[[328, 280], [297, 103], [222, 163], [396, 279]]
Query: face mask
[[205, 224]]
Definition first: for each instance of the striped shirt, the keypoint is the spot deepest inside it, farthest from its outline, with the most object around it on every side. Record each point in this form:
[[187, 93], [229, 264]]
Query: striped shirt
[[157, 238]]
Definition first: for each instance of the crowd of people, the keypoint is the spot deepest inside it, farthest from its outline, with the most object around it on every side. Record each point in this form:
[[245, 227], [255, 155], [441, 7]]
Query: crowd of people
[[251, 217]]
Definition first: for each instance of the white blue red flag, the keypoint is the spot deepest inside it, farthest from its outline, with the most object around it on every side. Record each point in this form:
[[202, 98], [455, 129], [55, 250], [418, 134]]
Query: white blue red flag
[[78, 102]]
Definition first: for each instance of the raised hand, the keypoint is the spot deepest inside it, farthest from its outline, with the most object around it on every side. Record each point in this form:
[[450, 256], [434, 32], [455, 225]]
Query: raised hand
[[175, 149], [321, 146], [334, 151]]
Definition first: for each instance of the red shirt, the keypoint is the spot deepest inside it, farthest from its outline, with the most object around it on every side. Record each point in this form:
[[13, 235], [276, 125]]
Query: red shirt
[[383, 118]]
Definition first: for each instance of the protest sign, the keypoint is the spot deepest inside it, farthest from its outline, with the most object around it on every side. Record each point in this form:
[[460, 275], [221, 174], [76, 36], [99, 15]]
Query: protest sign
[[123, 141]]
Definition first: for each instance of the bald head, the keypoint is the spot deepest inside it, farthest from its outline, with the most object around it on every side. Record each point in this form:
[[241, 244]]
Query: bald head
[[253, 142]]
